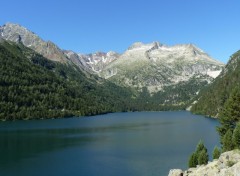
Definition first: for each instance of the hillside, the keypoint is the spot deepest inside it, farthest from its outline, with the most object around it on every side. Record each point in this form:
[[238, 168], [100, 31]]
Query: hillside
[[32, 86], [211, 99], [149, 77]]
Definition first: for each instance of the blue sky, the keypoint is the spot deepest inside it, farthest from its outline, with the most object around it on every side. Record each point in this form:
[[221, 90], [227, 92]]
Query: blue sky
[[87, 26]]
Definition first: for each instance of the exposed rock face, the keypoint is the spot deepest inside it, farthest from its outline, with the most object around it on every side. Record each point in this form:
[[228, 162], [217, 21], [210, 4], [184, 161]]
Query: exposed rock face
[[91, 62], [99, 60], [78, 61], [228, 164], [17, 33], [156, 65]]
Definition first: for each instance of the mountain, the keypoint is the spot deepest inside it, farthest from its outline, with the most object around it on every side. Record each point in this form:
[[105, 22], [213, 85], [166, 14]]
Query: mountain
[[96, 61], [17, 33], [33, 87], [155, 66], [210, 100], [160, 77]]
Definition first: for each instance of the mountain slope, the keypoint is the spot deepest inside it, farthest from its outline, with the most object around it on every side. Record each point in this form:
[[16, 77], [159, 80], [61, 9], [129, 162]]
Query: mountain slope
[[212, 98], [167, 77], [19, 34], [172, 75], [155, 66], [32, 86]]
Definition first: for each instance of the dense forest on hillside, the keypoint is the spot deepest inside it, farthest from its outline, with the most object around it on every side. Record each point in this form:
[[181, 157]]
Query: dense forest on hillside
[[33, 87], [213, 97]]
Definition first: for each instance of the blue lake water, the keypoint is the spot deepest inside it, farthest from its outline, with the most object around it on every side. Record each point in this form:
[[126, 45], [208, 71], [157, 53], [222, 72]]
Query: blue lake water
[[118, 144]]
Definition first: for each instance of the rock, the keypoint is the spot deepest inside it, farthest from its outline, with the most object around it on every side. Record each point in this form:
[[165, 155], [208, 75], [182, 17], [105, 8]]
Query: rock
[[175, 172], [227, 164], [159, 66], [19, 34]]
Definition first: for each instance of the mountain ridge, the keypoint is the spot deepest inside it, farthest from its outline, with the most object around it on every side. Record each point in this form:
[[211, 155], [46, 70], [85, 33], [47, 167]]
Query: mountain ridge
[[178, 63], [165, 75], [18, 33]]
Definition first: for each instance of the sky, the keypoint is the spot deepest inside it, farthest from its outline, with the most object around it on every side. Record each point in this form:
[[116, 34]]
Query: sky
[[87, 26]]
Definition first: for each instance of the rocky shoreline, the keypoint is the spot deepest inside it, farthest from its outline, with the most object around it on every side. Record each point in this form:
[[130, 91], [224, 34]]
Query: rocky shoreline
[[228, 164]]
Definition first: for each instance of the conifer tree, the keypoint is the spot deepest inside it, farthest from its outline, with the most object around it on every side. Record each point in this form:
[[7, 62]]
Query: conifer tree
[[230, 114], [216, 153], [193, 160], [203, 157], [199, 157], [227, 141], [236, 136]]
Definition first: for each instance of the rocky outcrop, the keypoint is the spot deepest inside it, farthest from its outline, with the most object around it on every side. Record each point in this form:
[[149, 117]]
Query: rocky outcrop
[[92, 63], [19, 34], [99, 60], [228, 164]]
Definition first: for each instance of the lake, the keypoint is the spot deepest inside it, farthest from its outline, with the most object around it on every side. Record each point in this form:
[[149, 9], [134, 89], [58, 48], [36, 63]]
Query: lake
[[118, 144]]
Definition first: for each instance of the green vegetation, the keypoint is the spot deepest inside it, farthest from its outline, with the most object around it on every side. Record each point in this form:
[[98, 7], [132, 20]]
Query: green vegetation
[[216, 152], [176, 97], [236, 136], [193, 160], [199, 157], [212, 98], [230, 163], [229, 130], [222, 99], [227, 143], [34, 87]]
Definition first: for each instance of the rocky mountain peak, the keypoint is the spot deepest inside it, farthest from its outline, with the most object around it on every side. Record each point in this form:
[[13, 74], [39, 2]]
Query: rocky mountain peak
[[156, 66], [112, 53], [17, 33], [140, 45]]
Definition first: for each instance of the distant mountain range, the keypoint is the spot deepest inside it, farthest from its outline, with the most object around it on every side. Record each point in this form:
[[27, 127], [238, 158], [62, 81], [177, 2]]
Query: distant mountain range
[[153, 65], [157, 74]]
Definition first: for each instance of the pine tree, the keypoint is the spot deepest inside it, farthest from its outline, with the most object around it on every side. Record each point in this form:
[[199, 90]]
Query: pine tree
[[200, 147], [230, 114], [236, 136], [227, 141], [193, 160], [216, 153], [203, 157], [199, 157]]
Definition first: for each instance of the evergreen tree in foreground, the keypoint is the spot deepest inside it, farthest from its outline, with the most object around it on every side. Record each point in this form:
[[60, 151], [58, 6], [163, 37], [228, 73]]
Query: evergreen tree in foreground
[[199, 157], [216, 153], [203, 157], [193, 160], [236, 136], [230, 114], [227, 143]]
